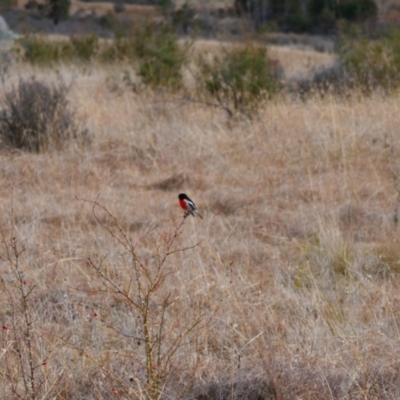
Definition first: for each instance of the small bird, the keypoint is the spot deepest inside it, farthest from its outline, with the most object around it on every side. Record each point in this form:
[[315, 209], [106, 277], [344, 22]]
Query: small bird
[[188, 205]]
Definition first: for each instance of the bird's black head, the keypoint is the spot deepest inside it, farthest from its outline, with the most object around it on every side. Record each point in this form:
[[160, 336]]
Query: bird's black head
[[182, 196]]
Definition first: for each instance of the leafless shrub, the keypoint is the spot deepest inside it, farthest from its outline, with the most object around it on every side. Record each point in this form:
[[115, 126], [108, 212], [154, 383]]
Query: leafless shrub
[[140, 292], [332, 79], [24, 360], [36, 116]]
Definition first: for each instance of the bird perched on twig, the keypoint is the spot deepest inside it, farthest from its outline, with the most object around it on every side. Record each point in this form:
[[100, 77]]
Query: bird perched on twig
[[188, 205]]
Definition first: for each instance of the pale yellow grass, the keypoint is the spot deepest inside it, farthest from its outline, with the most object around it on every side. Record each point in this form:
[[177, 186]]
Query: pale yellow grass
[[296, 203]]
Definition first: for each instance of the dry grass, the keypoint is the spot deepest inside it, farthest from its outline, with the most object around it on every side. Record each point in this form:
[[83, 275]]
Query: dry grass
[[297, 266], [295, 62]]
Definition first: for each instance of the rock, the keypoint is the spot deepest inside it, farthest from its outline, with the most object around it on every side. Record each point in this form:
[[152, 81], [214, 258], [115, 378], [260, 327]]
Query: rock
[[5, 32]]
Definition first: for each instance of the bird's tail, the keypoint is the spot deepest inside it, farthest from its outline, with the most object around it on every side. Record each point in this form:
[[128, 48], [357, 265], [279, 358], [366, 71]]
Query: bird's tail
[[199, 214]]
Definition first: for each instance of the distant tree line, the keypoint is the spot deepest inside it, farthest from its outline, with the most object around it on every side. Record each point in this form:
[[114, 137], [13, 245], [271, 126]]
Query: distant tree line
[[313, 16], [306, 15]]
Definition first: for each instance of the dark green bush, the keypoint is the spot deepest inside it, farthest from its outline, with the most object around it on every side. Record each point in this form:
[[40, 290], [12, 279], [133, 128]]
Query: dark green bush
[[240, 79], [36, 117]]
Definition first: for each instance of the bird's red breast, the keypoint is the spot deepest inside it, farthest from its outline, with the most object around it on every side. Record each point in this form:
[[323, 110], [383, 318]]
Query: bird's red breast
[[183, 204]]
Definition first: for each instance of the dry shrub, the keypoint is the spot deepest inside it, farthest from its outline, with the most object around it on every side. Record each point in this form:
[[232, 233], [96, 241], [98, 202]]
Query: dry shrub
[[174, 182], [249, 389], [148, 343], [37, 116]]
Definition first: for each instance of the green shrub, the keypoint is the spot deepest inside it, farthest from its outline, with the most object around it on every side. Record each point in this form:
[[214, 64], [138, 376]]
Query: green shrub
[[372, 63], [44, 52], [121, 48], [240, 79], [85, 47], [48, 52], [155, 53], [160, 58], [36, 116]]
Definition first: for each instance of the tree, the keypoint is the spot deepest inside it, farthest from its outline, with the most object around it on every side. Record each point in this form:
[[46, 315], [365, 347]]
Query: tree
[[356, 10], [59, 10], [306, 15]]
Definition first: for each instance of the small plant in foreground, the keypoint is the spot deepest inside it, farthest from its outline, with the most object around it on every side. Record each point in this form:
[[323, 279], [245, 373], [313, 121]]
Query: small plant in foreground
[[21, 368], [239, 80], [140, 285], [37, 116]]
